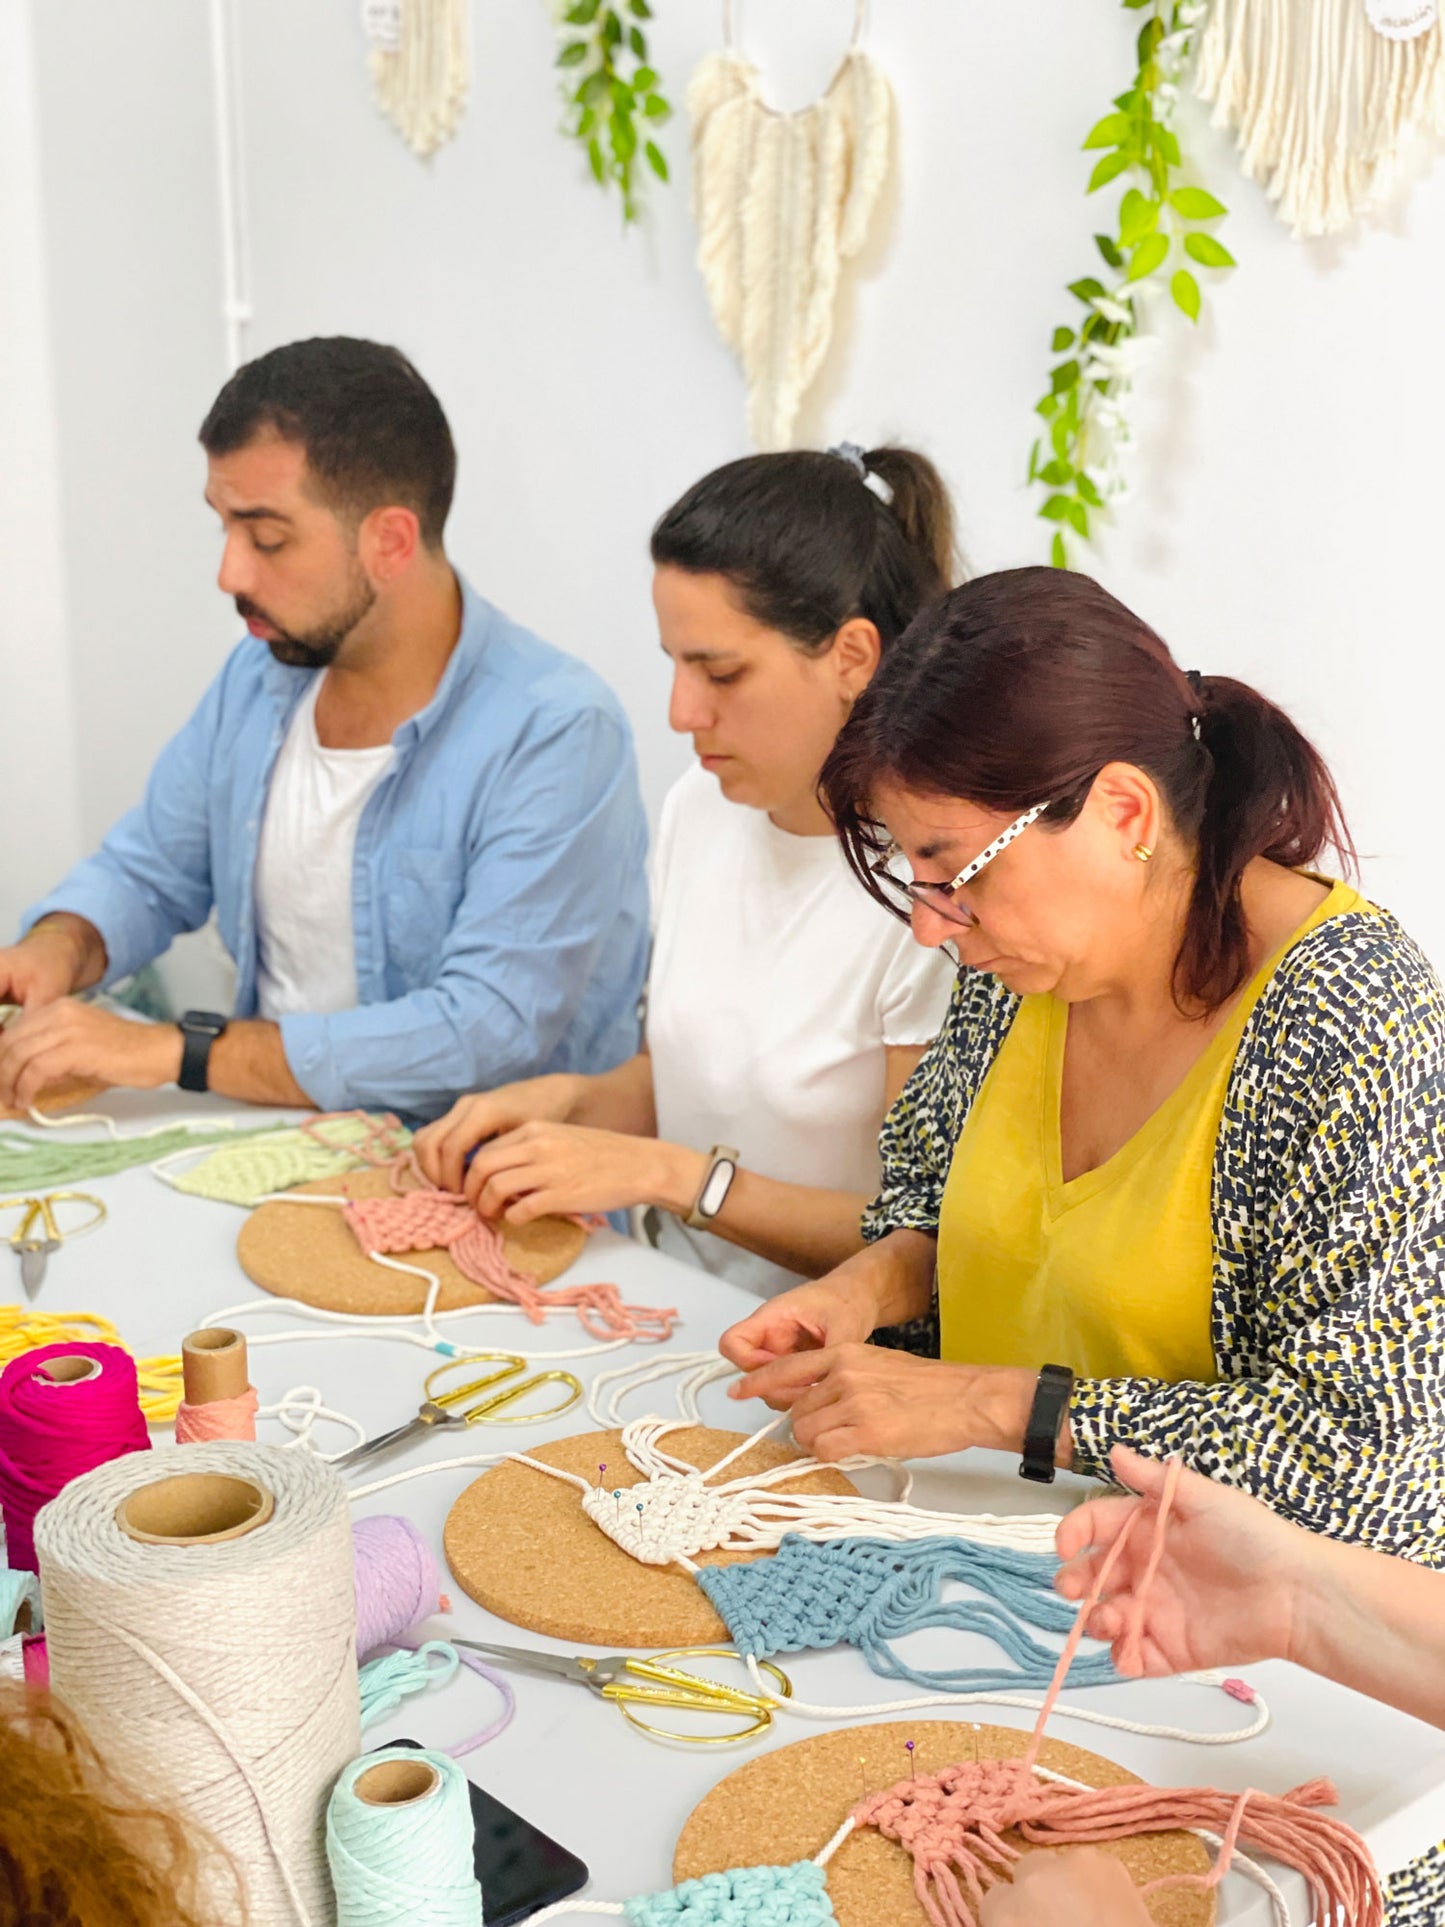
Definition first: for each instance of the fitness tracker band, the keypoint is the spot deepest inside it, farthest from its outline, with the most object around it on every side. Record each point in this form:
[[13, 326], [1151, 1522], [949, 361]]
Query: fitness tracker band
[[199, 1030], [1041, 1438], [717, 1180]]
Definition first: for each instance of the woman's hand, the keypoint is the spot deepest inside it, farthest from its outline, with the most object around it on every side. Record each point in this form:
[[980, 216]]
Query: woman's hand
[[542, 1168], [1225, 1589], [832, 1311], [848, 1397], [1081, 1885], [442, 1148]]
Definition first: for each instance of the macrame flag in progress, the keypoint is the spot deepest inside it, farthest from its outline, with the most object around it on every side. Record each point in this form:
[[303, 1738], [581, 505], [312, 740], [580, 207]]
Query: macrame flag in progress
[[420, 67], [1323, 103], [781, 200]]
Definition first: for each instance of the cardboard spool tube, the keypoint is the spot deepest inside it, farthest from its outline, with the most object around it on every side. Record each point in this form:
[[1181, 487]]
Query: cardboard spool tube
[[194, 1509], [214, 1366], [69, 1371], [397, 1783]]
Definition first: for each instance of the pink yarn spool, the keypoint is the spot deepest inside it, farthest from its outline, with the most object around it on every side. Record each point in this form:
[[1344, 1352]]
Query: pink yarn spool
[[222, 1418], [37, 1662], [397, 1582], [64, 1409]]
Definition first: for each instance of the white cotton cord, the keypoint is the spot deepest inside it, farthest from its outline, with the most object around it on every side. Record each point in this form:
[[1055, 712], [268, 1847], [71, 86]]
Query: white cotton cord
[[172, 1657], [1031, 1703], [680, 1512], [825, 1854], [604, 1407], [560, 1909], [299, 1410], [69, 1120], [468, 1461]]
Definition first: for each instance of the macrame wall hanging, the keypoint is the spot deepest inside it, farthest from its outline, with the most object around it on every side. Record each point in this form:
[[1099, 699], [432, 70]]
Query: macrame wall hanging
[[1324, 96], [781, 201], [420, 63]]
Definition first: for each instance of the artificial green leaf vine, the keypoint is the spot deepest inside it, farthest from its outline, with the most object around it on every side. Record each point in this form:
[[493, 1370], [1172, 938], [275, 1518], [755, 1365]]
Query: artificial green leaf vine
[[1158, 233], [614, 103]]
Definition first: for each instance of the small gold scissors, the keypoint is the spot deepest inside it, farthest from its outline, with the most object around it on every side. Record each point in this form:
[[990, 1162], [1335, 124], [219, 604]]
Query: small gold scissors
[[40, 1231], [437, 1410], [672, 1686]]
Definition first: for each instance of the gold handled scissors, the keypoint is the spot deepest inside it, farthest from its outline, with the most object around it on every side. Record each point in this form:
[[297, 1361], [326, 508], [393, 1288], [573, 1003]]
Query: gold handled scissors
[[41, 1232], [440, 1408], [632, 1683]]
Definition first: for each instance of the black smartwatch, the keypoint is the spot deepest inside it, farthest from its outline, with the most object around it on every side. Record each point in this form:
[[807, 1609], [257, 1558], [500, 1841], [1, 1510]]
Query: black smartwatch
[[199, 1030], [1041, 1438]]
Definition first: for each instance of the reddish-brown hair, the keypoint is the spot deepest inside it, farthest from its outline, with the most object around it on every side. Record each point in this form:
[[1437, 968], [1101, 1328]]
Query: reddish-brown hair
[[1019, 687], [76, 1848]]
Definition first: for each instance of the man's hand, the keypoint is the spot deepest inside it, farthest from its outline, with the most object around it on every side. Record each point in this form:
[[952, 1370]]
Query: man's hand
[[66, 1039], [62, 954], [1083, 1886]]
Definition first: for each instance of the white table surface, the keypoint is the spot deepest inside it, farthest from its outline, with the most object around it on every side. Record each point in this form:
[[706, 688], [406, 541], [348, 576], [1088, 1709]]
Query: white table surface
[[568, 1762]]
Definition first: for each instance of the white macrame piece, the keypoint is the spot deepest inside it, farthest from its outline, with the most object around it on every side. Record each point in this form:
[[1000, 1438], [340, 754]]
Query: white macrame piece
[[1322, 102], [781, 200], [420, 63], [675, 1511]]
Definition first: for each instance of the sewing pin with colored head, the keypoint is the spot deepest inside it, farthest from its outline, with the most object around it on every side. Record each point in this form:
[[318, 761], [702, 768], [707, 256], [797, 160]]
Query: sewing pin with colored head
[[617, 1499], [912, 1763]]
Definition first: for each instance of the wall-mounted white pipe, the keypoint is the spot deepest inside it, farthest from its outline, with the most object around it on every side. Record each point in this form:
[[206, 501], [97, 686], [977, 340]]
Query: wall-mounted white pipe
[[231, 183]]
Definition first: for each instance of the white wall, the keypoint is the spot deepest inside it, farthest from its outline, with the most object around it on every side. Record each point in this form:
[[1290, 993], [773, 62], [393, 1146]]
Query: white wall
[[1286, 526]]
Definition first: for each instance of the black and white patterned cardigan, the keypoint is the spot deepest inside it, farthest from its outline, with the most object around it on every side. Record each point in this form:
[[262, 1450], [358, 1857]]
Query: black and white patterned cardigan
[[1328, 1304]]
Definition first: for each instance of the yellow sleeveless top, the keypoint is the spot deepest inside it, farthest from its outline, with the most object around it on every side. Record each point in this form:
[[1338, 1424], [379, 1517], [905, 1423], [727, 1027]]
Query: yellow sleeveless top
[[1111, 1273]]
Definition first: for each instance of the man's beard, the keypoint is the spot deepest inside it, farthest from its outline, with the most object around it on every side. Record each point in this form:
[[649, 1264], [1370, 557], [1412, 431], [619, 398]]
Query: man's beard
[[320, 646]]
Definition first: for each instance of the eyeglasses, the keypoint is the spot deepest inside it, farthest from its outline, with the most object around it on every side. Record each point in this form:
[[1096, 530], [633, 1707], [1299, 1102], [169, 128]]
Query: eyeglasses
[[939, 897]]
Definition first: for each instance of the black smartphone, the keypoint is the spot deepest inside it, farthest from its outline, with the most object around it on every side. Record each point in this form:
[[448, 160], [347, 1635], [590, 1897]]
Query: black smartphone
[[519, 1868]]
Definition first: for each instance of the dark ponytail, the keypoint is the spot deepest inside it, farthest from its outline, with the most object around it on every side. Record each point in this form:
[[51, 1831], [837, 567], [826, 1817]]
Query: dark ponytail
[[807, 544], [1019, 687]]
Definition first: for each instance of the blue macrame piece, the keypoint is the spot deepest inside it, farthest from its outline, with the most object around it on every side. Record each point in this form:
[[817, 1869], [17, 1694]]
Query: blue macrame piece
[[867, 1592], [795, 1896]]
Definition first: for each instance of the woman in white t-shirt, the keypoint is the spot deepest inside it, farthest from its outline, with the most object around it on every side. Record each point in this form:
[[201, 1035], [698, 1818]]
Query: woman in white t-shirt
[[785, 1009]]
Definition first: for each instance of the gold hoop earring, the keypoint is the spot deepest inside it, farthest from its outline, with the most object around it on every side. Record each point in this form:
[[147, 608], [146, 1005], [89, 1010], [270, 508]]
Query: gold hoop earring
[[1142, 852]]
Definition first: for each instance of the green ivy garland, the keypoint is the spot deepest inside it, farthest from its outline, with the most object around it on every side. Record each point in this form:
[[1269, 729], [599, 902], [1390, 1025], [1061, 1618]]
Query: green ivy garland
[[612, 94], [1079, 460]]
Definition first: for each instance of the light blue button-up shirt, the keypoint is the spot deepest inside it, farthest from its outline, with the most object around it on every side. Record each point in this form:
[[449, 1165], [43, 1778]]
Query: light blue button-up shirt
[[499, 896]]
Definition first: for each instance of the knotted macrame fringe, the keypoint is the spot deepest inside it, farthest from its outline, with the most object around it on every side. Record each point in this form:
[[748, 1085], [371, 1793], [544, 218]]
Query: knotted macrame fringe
[[1322, 105]]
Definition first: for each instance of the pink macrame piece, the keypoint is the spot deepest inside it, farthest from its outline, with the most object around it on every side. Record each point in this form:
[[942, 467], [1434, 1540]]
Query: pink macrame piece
[[952, 1823], [419, 1218]]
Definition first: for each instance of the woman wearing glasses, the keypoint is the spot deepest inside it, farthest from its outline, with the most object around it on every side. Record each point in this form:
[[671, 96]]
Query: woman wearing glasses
[[785, 1011], [1173, 1174]]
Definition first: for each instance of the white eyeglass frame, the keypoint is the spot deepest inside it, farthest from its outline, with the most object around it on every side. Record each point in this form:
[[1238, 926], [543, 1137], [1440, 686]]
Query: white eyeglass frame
[[938, 897]]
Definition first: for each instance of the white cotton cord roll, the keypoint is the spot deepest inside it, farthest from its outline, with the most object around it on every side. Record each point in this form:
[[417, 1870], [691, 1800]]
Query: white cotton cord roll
[[212, 1658], [399, 1840]]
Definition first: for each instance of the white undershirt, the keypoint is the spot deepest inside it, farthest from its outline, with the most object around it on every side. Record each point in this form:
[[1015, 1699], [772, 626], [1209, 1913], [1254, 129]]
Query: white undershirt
[[777, 987], [306, 955]]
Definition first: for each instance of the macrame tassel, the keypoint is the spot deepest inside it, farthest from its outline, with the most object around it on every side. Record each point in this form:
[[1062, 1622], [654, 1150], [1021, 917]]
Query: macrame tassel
[[867, 1593], [422, 72], [781, 200], [1322, 104]]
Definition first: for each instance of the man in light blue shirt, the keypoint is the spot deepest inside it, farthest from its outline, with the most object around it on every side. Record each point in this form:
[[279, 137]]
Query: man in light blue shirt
[[418, 824]]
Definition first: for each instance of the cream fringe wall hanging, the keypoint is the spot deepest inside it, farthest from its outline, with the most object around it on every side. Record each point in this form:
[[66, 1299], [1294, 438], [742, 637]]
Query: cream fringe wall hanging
[[420, 64], [1323, 96], [781, 200]]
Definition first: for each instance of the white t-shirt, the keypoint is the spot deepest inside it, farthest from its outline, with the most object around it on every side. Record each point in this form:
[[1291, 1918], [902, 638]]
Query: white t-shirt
[[306, 957], [777, 986]]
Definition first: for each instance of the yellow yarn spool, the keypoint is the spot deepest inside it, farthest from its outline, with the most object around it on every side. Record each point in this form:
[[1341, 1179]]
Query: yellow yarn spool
[[22, 1329]]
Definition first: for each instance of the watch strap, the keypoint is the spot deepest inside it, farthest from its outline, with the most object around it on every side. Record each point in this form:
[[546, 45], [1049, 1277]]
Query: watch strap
[[1046, 1416], [717, 1181], [199, 1031]]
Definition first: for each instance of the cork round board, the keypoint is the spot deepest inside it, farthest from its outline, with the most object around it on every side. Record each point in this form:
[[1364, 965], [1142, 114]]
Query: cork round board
[[786, 1805], [520, 1544], [299, 1252]]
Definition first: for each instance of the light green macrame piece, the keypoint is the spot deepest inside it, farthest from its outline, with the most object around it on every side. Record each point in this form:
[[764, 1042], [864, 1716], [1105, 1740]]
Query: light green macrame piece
[[31, 1162], [245, 1172]]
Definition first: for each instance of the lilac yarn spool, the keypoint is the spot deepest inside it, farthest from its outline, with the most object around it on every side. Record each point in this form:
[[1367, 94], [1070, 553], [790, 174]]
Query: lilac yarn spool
[[397, 1582]]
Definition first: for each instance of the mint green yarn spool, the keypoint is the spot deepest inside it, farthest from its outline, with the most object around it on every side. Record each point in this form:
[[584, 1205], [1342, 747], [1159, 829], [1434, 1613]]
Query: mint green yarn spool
[[399, 1842], [18, 1590]]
